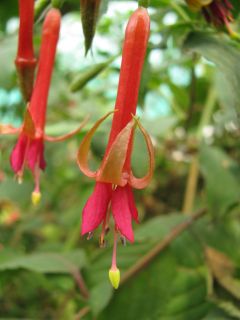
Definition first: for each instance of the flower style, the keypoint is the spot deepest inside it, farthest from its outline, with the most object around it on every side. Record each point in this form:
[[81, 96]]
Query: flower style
[[29, 149], [114, 179], [217, 12], [25, 61]]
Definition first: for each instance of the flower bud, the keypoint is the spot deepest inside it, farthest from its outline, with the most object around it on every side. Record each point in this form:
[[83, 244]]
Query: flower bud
[[114, 276], [36, 197], [89, 16]]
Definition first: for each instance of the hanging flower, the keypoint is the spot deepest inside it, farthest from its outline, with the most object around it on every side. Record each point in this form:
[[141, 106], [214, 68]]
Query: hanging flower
[[25, 61], [29, 149], [217, 12], [113, 190]]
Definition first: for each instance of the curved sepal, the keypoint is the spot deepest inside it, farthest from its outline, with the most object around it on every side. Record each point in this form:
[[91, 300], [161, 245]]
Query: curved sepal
[[111, 170], [8, 129], [68, 135], [83, 151], [141, 183]]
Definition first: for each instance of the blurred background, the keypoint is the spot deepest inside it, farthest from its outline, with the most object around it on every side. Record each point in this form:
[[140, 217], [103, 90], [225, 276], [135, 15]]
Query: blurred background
[[185, 262]]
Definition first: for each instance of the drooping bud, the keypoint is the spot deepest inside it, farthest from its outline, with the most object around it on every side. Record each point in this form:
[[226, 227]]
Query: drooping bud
[[25, 61], [114, 276], [89, 16], [50, 35]]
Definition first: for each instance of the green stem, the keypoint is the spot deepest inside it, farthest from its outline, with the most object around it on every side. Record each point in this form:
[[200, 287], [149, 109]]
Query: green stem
[[40, 6], [207, 112], [159, 247], [193, 175], [144, 3], [57, 3], [180, 11]]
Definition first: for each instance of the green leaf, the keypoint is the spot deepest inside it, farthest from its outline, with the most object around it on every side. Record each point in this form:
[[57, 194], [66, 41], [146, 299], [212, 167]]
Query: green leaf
[[100, 296], [46, 262], [221, 176], [84, 77], [226, 57], [10, 189], [171, 294], [159, 227]]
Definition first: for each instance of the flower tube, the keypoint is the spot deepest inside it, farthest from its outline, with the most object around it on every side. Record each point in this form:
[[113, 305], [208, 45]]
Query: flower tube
[[25, 61], [29, 149], [114, 179]]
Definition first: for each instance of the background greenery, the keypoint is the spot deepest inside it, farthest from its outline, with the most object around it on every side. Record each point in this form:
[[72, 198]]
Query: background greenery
[[185, 262]]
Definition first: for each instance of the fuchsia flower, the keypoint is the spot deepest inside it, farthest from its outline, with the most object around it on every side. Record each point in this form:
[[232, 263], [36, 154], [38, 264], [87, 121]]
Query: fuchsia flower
[[113, 190], [217, 12], [29, 149], [25, 61]]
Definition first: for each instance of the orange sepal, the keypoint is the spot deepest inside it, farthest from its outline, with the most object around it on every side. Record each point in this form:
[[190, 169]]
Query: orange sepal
[[141, 183], [8, 129], [111, 170], [83, 151], [68, 135]]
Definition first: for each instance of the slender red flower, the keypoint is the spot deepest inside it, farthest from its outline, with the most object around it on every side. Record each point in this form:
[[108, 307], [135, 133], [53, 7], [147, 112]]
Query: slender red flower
[[29, 149], [113, 190], [25, 61], [217, 12]]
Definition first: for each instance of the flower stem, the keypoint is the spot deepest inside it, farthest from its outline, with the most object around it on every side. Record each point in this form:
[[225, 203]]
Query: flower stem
[[40, 7], [154, 252], [144, 3], [114, 255], [192, 180]]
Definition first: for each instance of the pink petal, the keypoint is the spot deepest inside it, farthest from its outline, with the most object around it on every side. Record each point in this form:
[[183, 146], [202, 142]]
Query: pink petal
[[95, 209], [18, 153], [35, 156], [122, 212], [131, 203]]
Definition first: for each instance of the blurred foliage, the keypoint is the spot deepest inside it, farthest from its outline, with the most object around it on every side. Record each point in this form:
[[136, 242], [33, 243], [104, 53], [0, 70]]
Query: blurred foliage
[[189, 102]]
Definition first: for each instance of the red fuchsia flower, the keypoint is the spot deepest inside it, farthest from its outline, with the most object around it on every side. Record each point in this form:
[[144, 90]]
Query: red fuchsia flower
[[25, 61], [217, 12], [114, 179], [29, 149]]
